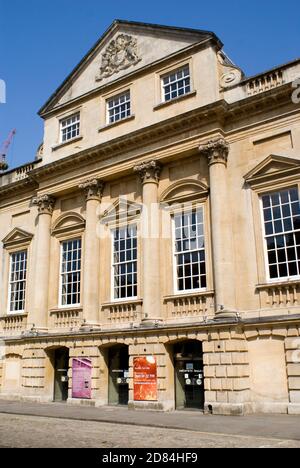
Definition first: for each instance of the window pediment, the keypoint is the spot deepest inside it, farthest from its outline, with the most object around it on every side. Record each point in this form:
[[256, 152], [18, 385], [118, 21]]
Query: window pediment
[[121, 210], [17, 237], [273, 168], [184, 190], [68, 223]]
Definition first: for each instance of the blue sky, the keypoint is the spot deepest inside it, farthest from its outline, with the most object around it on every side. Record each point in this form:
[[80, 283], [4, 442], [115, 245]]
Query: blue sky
[[41, 42]]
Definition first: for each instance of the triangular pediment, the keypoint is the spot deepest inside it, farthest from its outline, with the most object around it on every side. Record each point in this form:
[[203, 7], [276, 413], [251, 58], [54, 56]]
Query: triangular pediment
[[124, 48], [122, 209], [274, 166], [17, 236]]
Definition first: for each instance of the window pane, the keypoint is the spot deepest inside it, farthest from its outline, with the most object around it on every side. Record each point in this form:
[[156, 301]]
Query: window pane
[[70, 128], [125, 262], [119, 107], [17, 286], [70, 272], [176, 84], [282, 226], [189, 250]]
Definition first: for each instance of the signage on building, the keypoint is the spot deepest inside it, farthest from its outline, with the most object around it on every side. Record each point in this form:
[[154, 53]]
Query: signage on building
[[145, 378], [81, 378]]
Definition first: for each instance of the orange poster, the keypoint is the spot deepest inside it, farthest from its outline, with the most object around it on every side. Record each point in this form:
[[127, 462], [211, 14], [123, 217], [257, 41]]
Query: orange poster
[[145, 378]]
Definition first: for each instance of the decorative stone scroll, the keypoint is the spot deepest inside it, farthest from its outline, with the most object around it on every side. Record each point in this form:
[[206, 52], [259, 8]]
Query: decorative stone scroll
[[121, 53], [216, 151], [232, 75], [44, 203], [148, 171]]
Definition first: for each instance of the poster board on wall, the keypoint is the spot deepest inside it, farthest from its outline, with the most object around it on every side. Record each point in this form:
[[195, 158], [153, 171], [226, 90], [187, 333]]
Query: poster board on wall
[[82, 378], [145, 378]]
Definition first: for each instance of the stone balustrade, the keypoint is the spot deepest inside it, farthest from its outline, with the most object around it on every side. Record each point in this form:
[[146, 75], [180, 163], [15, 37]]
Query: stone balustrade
[[68, 318], [12, 325], [279, 295], [22, 172], [194, 305], [122, 312], [18, 174], [265, 82]]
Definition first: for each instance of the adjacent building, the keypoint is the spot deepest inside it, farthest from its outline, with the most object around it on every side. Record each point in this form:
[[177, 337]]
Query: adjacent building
[[150, 253]]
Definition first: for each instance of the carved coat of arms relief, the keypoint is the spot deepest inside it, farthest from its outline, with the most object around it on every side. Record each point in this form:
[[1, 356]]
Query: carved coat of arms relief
[[121, 53]]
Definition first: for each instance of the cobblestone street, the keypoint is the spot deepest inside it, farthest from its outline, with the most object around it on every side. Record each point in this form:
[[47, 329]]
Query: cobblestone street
[[42, 432]]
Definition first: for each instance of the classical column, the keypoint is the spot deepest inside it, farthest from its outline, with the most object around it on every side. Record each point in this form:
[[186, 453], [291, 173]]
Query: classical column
[[149, 173], [217, 152], [39, 315], [93, 190]]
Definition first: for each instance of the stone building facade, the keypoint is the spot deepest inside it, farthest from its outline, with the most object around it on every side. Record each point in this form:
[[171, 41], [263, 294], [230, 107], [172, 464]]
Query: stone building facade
[[150, 253]]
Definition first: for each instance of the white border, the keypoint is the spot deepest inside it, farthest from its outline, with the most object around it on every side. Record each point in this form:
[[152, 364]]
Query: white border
[[16, 312], [112, 287], [68, 306], [175, 286], [266, 261]]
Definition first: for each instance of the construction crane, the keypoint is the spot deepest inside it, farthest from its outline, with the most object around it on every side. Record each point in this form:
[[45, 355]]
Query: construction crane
[[4, 149]]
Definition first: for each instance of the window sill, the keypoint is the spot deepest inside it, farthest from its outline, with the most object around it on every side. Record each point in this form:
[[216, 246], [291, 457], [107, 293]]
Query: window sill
[[174, 101], [65, 143], [280, 283], [14, 314], [115, 124], [66, 309], [199, 292], [121, 302]]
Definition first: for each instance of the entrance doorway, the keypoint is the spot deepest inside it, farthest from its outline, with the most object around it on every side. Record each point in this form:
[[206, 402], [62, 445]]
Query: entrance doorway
[[189, 380], [61, 367], [118, 375]]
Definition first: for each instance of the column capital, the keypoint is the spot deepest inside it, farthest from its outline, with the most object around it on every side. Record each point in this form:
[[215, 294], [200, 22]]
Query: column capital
[[93, 189], [44, 203], [215, 150], [149, 171]]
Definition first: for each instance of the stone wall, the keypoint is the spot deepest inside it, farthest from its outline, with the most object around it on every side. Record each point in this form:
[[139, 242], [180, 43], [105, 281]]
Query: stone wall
[[231, 366]]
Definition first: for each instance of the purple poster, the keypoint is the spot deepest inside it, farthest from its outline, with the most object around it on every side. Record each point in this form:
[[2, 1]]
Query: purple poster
[[81, 378]]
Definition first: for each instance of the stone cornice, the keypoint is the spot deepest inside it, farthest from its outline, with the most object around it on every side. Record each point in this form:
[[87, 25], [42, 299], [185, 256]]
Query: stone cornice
[[138, 138], [219, 112], [93, 189], [44, 203], [19, 186], [149, 171], [274, 321], [250, 106], [215, 150]]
